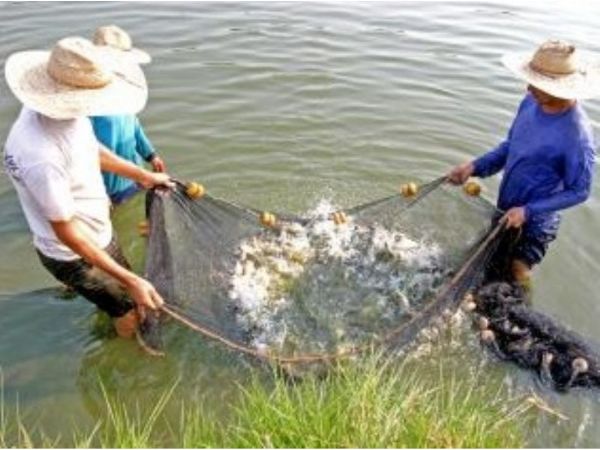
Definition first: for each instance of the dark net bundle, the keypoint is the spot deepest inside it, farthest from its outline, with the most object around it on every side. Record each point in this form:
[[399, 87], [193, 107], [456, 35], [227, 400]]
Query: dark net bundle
[[515, 332], [321, 285]]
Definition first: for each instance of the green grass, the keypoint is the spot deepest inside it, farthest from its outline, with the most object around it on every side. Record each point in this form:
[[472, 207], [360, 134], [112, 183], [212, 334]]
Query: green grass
[[372, 403]]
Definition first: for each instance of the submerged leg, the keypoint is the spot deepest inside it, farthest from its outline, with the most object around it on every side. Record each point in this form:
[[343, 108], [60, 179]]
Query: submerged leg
[[521, 272], [107, 294], [127, 324]]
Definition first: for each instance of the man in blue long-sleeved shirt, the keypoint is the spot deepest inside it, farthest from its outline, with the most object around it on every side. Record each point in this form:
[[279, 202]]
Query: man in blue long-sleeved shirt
[[125, 136], [548, 155]]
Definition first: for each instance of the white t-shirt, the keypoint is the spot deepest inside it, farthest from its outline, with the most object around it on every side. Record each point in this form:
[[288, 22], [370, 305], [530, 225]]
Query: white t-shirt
[[55, 168]]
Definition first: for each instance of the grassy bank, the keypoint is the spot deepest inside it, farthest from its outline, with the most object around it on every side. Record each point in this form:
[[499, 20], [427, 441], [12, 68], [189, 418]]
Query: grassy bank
[[367, 404]]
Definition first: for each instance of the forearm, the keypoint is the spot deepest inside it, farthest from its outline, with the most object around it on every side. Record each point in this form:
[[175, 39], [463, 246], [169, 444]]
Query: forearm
[[492, 162], [70, 234], [109, 162], [143, 145]]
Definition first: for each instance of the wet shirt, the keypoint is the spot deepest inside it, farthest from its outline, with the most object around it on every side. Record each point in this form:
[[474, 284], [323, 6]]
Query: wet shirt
[[55, 168], [548, 162], [124, 135]]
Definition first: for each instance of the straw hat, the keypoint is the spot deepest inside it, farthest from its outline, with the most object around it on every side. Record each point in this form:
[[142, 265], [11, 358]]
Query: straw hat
[[117, 38], [75, 79], [558, 69]]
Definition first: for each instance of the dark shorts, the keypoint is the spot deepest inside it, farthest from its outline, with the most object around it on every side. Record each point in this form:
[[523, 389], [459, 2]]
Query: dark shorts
[[92, 283], [519, 245], [531, 249]]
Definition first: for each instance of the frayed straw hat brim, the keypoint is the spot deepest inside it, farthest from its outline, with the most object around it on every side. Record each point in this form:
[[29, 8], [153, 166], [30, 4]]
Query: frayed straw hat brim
[[28, 79], [583, 84]]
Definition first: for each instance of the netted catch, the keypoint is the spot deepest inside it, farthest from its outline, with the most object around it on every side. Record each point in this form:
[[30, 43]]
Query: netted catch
[[321, 284]]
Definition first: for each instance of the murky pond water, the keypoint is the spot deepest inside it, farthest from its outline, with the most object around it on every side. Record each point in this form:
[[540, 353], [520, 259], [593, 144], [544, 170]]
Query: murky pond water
[[279, 105]]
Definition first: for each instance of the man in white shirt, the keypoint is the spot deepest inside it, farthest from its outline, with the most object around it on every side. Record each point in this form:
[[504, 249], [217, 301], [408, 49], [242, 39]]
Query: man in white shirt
[[55, 163]]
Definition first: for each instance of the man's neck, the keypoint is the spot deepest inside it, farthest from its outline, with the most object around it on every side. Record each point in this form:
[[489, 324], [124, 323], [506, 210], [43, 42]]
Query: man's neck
[[557, 107]]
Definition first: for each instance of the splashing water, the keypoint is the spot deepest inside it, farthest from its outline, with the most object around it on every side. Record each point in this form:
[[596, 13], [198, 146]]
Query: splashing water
[[326, 287]]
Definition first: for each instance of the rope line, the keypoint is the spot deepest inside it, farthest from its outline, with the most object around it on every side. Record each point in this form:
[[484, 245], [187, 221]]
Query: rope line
[[425, 190]]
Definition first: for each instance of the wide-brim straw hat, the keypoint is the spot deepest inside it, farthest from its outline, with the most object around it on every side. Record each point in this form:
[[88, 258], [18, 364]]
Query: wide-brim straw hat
[[117, 38], [76, 79], [558, 69]]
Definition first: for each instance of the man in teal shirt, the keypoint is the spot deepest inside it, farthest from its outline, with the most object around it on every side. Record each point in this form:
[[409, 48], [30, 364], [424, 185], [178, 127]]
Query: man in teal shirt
[[125, 136]]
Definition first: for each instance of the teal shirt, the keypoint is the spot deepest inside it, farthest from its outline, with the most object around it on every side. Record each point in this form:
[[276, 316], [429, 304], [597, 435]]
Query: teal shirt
[[125, 136]]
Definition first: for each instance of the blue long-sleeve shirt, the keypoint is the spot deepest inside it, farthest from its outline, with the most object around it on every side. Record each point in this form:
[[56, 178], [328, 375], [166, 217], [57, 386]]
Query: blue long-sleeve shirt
[[124, 135], [548, 162]]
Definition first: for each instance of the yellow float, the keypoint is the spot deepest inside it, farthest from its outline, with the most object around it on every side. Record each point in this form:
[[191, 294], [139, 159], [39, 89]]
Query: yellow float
[[472, 188], [268, 219], [409, 190], [339, 218], [144, 228], [194, 190]]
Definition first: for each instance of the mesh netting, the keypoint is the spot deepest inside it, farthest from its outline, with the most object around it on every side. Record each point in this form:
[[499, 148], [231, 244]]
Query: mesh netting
[[322, 284], [331, 283]]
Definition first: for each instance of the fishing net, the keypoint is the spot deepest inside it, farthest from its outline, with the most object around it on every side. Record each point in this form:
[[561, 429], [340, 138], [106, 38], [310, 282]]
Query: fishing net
[[319, 285], [331, 282]]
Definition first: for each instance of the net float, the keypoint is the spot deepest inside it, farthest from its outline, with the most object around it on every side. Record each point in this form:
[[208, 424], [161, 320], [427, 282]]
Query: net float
[[468, 303], [483, 323], [409, 189], [263, 351], [268, 219], [194, 190], [143, 228], [472, 188], [339, 218], [469, 306], [580, 365], [487, 336]]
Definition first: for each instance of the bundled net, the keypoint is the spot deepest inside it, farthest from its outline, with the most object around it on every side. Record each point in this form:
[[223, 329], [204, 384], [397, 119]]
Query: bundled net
[[321, 285], [514, 332]]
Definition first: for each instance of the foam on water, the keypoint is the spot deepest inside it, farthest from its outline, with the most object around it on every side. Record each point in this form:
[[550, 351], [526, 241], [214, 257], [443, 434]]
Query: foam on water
[[324, 286]]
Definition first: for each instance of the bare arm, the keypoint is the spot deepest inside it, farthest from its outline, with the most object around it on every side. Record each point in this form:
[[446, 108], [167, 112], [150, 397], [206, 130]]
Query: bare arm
[[141, 291], [109, 162]]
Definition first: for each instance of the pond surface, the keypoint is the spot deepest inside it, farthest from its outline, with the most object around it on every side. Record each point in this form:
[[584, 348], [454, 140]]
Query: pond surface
[[281, 105]]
